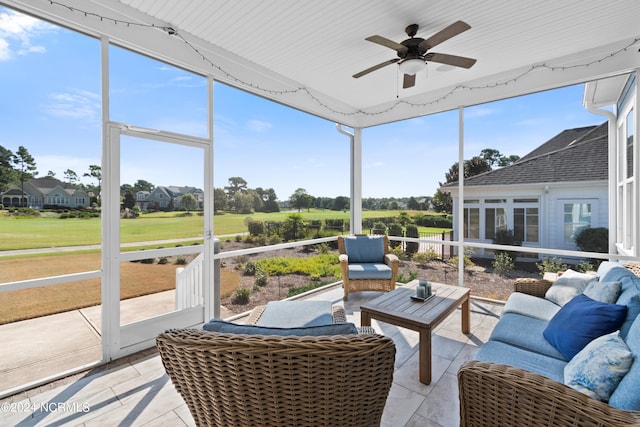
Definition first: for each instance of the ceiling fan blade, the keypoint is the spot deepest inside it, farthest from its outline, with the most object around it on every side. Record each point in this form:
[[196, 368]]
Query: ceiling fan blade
[[388, 43], [444, 35], [375, 67], [443, 58], [408, 81]]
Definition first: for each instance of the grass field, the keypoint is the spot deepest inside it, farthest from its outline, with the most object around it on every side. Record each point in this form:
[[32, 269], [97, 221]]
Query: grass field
[[38, 232]]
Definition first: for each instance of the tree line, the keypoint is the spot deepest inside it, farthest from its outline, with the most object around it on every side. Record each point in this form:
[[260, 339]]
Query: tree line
[[236, 196]]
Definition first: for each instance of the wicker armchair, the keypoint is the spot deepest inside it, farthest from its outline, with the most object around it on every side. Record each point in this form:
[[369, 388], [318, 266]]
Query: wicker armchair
[[492, 394], [368, 283], [532, 286], [256, 380]]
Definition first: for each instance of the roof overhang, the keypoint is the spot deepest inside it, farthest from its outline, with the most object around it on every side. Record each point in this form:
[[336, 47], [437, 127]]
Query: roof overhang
[[304, 54]]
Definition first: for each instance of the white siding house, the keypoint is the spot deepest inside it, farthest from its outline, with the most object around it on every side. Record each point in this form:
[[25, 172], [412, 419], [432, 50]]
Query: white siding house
[[546, 197]]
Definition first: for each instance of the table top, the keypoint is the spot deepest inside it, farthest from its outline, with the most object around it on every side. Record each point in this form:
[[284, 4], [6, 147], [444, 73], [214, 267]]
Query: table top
[[399, 306]]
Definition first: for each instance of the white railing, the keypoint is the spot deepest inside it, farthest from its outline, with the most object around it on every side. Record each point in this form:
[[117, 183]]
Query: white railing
[[189, 284]]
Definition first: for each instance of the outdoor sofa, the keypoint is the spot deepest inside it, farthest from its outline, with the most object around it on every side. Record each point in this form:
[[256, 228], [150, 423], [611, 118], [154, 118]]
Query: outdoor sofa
[[546, 337]]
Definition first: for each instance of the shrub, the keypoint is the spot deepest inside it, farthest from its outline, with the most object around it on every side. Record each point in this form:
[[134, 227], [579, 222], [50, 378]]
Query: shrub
[[147, 261], [551, 265], [242, 296], [261, 277], [379, 227], [249, 268], [467, 261], [395, 229], [413, 275], [502, 263], [412, 231], [423, 258], [323, 248], [593, 240], [181, 260], [321, 265], [397, 251], [256, 228], [585, 266], [163, 260]]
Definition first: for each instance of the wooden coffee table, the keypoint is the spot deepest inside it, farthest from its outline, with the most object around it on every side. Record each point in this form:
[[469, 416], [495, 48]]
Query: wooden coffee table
[[397, 308]]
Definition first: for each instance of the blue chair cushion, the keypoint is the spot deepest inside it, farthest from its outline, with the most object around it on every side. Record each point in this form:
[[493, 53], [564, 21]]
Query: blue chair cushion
[[509, 331], [364, 248], [369, 271], [506, 354], [530, 306], [580, 321], [294, 314], [222, 326]]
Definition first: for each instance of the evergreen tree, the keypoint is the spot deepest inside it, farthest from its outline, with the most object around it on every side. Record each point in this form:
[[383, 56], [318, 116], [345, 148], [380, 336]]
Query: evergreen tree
[[7, 173], [26, 168]]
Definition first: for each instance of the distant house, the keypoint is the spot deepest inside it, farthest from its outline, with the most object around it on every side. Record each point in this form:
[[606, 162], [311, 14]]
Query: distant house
[[546, 197], [163, 197], [43, 192]]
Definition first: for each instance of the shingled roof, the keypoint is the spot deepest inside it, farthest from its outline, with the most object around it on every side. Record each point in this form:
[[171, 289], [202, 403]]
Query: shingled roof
[[579, 154]]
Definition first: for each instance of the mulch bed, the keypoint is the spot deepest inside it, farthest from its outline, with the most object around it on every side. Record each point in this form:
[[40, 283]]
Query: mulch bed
[[479, 278]]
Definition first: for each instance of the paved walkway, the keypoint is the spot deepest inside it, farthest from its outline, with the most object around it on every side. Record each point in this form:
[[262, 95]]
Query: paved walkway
[[96, 247], [37, 348]]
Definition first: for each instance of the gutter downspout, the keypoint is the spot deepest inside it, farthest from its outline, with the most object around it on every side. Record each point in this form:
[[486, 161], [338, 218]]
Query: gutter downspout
[[355, 187], [613, 173]]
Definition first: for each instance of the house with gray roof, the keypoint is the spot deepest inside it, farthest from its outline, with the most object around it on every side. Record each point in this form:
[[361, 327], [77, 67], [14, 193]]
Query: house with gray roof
[[546, 197], [43, 192], [163, 197]]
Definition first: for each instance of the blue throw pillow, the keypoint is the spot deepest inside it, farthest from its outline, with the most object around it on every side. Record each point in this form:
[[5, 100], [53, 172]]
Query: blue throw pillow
[[580, 321], [603, 291], [599, 367]]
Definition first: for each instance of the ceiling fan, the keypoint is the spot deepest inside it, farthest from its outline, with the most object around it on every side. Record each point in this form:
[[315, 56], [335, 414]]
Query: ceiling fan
[[413, 52]]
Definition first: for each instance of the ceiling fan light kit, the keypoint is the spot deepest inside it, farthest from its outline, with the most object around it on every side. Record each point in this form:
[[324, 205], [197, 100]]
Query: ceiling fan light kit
[[412, 65], [413, 53]]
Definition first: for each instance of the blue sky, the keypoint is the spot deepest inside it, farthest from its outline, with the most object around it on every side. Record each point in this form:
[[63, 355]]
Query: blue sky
[[50, 103]]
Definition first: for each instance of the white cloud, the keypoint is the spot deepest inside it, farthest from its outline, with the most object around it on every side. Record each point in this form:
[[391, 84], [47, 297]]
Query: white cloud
[[77, 104], [258, 125], [5, 51], [17, 32]]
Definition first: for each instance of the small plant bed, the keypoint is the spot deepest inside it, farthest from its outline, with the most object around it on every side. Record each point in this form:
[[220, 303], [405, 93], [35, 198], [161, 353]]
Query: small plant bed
[[258, 288]]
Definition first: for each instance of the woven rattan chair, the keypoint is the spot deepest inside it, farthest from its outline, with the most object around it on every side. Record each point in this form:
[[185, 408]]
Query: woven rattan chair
[[364, 282], [234, 380], [492, 394]]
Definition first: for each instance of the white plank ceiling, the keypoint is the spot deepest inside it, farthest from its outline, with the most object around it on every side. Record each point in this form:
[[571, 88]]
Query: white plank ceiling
[[303, 53]]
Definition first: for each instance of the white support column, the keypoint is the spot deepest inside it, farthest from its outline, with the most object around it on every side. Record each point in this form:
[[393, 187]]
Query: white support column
[[110, 218], [211, 276], [461, 196], [356, 182]]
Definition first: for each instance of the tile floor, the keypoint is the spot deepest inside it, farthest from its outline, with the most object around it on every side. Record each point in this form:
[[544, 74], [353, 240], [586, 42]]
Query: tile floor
[[135, 391]]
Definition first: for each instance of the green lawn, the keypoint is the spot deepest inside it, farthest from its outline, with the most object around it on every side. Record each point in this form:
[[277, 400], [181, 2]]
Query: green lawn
[[39, 232]]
